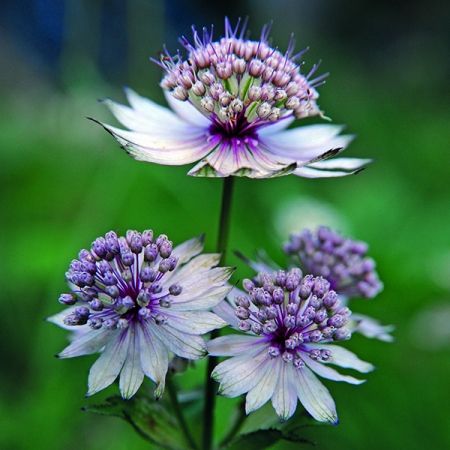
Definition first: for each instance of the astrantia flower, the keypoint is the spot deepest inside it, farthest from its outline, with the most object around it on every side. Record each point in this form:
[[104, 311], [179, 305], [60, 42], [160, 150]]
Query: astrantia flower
[[291, 323], [137, 301], [232, 100], [342, 261]]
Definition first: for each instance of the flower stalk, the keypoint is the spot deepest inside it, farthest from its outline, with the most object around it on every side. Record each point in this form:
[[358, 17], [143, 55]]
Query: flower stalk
[[210, 386]]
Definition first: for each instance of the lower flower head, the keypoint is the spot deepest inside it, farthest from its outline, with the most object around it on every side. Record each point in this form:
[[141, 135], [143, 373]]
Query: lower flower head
[[342, 261], [291, 323], [137, 299]]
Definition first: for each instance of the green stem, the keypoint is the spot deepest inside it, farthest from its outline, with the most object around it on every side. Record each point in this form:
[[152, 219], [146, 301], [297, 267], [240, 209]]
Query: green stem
[[210, 387], [240, 419], [177, 410]]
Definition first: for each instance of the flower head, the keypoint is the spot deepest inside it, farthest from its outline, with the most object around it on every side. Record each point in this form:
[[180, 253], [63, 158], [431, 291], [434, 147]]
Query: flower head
[[137, 300], [292, 322], [342, 261], [233, 98]]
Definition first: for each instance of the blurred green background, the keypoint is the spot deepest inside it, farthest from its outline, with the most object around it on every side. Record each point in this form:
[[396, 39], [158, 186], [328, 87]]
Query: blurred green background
[[64, 181]]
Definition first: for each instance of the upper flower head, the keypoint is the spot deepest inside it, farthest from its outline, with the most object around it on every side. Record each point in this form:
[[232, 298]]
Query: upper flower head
[[233, 99], [342, 261], [292, 320], [137, 299]]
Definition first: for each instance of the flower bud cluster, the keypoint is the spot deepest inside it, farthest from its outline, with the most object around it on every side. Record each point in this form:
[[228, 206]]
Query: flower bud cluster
[[340, 260], [119, 280], [235, 80], [291, 311]]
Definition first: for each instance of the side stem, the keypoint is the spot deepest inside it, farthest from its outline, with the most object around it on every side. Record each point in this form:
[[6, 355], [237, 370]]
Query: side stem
[[210, 388], [177, 410]]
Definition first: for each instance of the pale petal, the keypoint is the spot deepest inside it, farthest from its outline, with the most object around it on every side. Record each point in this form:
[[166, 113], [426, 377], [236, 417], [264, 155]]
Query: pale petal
[[194, 322], [315, 397], [308, 172], [187, 250], [226, 311], [131, 376], [182, 344], [371, 328], [186, 111], [341, 164], [329, 373], [154, 357], [243, 376], [233, 345], [305, 136], [201, 262], [87, 343], [107, 367], [211, 299], [284, 398], [344, 358], [264, 390]]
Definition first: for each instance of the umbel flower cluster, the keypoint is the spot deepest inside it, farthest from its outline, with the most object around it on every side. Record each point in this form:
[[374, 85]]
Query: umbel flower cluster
[[232, 101], [137, 300], [291, 323], [140, 302]]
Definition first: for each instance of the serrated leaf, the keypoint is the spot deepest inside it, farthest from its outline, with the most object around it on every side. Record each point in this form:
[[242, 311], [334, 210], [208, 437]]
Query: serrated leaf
[[150, 418]]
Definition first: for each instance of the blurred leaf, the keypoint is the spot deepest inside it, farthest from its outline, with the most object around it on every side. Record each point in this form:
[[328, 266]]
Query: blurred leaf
[[265, 439], [150, 419]]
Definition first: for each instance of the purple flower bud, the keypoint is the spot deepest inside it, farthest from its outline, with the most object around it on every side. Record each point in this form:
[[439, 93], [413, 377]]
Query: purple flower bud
[[175, 289], [67, 299]]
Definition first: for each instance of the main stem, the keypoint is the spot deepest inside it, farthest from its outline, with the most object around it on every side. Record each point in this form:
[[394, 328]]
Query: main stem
[[210, 389]]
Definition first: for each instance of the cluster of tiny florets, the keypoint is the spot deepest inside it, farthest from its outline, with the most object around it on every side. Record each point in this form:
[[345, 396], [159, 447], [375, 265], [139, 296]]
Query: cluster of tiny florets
[[118, 281], [341, 261], [240, 82], [290, 311]]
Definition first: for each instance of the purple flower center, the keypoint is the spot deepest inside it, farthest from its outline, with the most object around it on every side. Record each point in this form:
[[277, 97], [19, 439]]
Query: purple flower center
[[240, 84], [120, 280], [291, 312]]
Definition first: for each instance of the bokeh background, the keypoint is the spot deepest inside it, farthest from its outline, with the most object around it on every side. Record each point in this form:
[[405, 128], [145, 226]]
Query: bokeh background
[[64, 181]]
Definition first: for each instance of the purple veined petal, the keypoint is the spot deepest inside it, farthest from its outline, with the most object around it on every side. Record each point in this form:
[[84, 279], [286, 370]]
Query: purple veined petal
[[87, 343], [227, 311], [308, 153], [276, 127], [344, 358], [194, 322], [329, 373], [284, 398], [108, 366], [154, 357], [304, 136], [186, 111], [210, 299], [203, 281], [341, 164], [186, 345], [315, 397], [308, 172], [187, 250], [179, 153], [264, 390], [243, 376], [372, 328], [233, 345], [131, 376]]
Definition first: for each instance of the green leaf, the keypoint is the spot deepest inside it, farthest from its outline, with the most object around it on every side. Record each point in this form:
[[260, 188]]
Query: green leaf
[[264, 439], [150, 418]]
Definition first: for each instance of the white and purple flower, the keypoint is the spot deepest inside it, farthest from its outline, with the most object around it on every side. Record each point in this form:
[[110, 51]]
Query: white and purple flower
[[292, 324], [138, 301], [232, 101]]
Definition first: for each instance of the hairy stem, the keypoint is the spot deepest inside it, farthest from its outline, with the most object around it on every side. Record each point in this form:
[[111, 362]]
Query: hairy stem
[[179, 413], [210, 388]]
